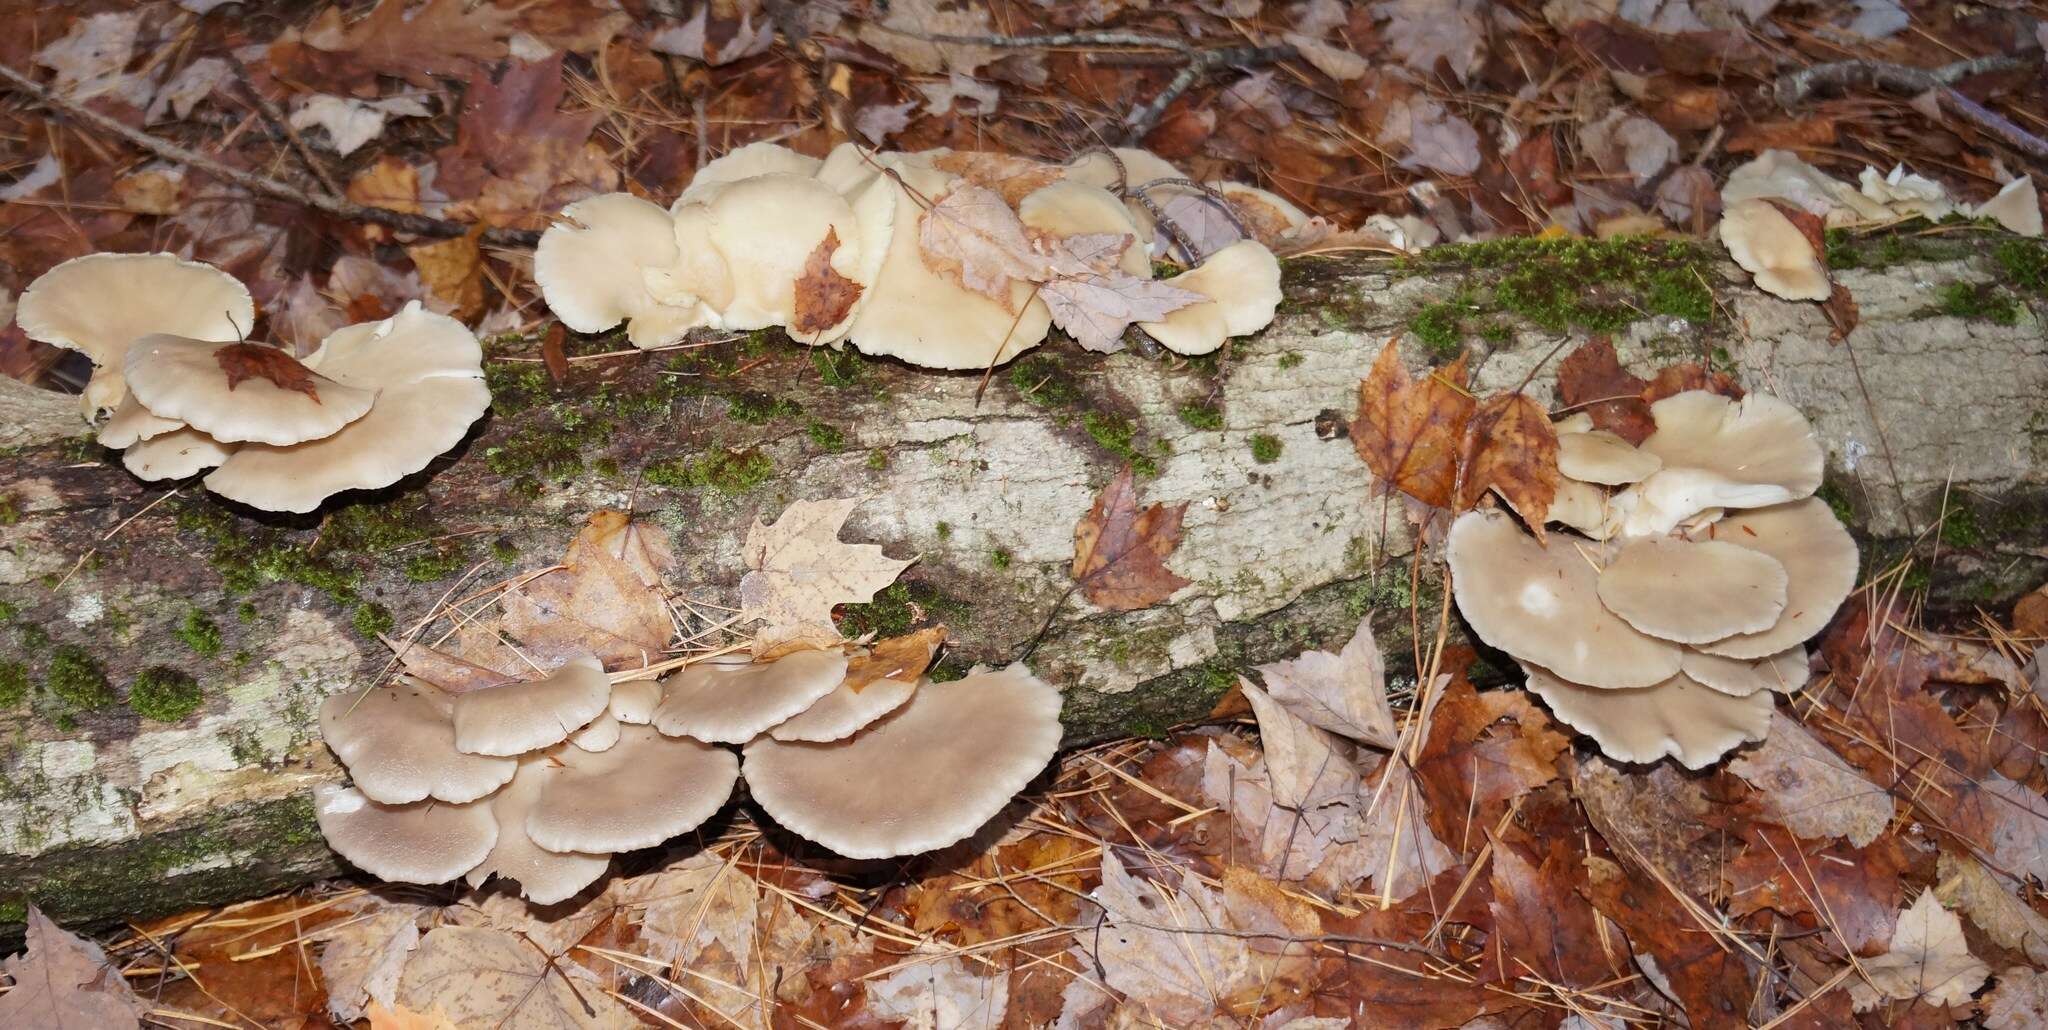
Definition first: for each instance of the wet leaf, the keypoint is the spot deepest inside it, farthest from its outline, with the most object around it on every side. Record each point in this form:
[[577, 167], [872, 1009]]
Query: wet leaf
[[1120, 551], [823, 297]]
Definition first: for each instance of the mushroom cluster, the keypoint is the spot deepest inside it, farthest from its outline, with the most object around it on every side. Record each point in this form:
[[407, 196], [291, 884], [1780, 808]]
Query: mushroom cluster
[[1691, 571], [842, 250], [541, 781], [184, 392]]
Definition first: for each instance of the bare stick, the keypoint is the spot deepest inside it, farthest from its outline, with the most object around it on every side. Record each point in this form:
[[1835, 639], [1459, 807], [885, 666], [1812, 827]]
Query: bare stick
[[283, 126], [347, 210], [1899, 78], [1200, 64]]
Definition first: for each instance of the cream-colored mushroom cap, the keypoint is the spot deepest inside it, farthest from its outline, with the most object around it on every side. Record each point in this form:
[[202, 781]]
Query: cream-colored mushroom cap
[[1580, 506], [1677, 717], [424, 842], [1267, 215], [765, 227], [644, 790], [1820, 570], [1768, 246], [131, 423], [928, 775], [398, 743], [545, 877], [520, 717], [1068, 208], [2016, 207], [1541, 604], [427, 370], [844, 711], [1762, 447], [1242, 282], [698, 282], [1784, 672], [1139, 166], [592, 266], [1693, 591], [731, 704], [101, 303], [634, 701], [762, 158], [239, 392], [597, 735], [176, 454], [916, 313], [1598, 456], [1576, 422]]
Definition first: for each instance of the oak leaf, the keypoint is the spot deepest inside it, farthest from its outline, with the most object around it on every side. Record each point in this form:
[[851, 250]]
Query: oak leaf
[[440, 37], [1096, 309], [823, 297], [64, 981], [1120, 552], [1510, 448], [1408, 432], [798, 570], [1344, 693], [1591, 379]]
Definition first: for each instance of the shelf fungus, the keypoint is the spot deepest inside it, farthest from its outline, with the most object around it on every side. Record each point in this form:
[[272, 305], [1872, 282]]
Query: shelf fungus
[[1678, 598], [943, 259], [183, 391]]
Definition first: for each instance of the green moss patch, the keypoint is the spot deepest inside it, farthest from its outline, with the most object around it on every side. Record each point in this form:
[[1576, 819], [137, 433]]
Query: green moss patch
[[1558, 284], [14, 684], [77, 679], [1199, 415], [1979, 302], [899, 608], [200, 633], [371, 619], [726, 472], [1265, 448], [1119, 436], [164, 694]]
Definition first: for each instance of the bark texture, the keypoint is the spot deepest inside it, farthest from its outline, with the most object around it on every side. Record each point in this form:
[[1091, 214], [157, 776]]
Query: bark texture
[[112, 805]]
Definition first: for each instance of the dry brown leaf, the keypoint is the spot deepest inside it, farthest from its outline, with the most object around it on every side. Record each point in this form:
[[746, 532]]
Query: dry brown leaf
[[1345, 693], [1408, 432], [2019, 1002], [363, 956], [1979, 893], [972, 235], [440, 37], [401, 1018], [823, 296], [606, 599], [453, 271], [1809, 790], [703, 914], [1510, 448], [1401, 853], [64, 982], [913, 20], [1928, 960], [1591, 379], [442, 669], [1096, 309], [798, 570], [1120, 552], [478, 976], [902, 659], [388, 182]]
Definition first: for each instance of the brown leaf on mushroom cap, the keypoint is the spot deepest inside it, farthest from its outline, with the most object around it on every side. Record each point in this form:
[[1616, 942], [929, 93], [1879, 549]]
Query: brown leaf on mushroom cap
[[1677, 379], [823, 297], [241, 362], [972, 235], [1591, 379], [1120, 552], [1409, 433], [903, 658], [1510, 448]]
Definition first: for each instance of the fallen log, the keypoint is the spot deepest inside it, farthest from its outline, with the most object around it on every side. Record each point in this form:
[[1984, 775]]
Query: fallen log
[[123, 802]]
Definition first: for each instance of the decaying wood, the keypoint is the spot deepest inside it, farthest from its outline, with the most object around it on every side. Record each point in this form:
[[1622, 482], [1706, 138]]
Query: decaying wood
[[103, 813]]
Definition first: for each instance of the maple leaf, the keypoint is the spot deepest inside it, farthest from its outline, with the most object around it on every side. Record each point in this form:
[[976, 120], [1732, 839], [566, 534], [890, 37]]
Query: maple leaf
[[974, 236], [1481, 749], [65, 981], [1988, 899], [605, 599], [1928, 959], [2019, 1002], [823, 296], [1409, 433], [1401, 853], [1120, 552], [1510, 448], [914, 20], [1344, 693], [1591, 379], [798, 570], [1096, 309], [441, 37], [940, 993], [478, 976], [364, 956]]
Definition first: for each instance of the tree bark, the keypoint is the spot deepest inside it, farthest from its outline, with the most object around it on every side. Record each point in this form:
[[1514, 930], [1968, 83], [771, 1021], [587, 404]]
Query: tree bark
[[105, 814]]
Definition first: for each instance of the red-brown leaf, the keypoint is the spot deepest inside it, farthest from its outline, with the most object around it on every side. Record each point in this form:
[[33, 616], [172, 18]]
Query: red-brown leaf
[[1408, 433], [1120, 551], [823, 296], [244, 361], [1510, 448], [1592, 380]]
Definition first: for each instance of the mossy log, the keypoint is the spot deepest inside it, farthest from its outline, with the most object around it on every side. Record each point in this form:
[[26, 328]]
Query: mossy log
[[123, 803]]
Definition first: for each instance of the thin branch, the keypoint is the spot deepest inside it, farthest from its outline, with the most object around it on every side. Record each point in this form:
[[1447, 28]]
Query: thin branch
[[347, 210], [1839, 76], [283, 126], [1141, 121]]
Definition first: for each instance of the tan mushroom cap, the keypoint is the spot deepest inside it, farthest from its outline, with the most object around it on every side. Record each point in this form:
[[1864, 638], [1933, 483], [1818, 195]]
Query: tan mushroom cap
[[1068, 208], [633, 702], [176, 454], [1243, 284], [398, 743], [1267, 214], [1820, 568], [132, 423], [927, 776], [1139, 167], [918, 314], [1598, 456], [424, 842], [1757, 442], [1677, 717], [766, 227], [1541, 605], [1580, 506], [520, 717], [722, 703], [1768, 246], [545, 877], [1693, 591], [644, 790], [101, 303], [754, 159], [1784, 672], [427, 370], [844, 711], [599, 735], [239, 392], [592, 266]]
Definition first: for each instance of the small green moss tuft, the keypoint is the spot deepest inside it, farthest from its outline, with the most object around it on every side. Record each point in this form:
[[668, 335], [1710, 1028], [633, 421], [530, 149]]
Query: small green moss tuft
[[878, 459], [726, 472], [32, 638], [200, 633], [825, 435], [1265, 448], [516, 385], [13, 684], [1959, 528], [1118, 435], [1440, 326], [1000, 559], [836, 368], [372, 618], [246, 611], [2025, 264], [8, 611], [505, 551], [1837, 500], [754, 409], [437, 563], [1979, 302], [945, 530], [899, 608], [1042, 381], [1290, 360], [1198, 415], [77, 679], [164, 694], [10, 510]]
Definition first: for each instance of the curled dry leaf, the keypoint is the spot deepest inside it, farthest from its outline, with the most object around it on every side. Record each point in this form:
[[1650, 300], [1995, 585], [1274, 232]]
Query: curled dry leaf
[[1591, 379], [973, 235], [1120, 552], [1096, 309], [605, 599], [1510, 448], [823, 296], [1409, 433], [903, 658]]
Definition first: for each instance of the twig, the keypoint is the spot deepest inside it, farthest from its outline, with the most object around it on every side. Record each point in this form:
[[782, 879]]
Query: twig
[[347, 210], [1200, 60], [1899, 78], [283, 126]]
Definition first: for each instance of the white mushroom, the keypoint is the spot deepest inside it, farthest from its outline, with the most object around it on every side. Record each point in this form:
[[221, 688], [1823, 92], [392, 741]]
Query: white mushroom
[[724, 703], [594, 268], [927, 776], [1598, 456], [844, 711], [765, 227], [1819, 557], [1768, 246], [175, 454], [398, 743], [633, 701], [239, 392], [424, 842], [1719, 453], [1677, 717], [520, 717], [1068, 208], [762, 158], [1242, 282], [545, 877], [640, 792], [1784, 672], [1693, 591]]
